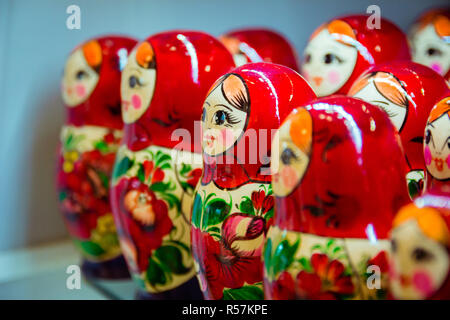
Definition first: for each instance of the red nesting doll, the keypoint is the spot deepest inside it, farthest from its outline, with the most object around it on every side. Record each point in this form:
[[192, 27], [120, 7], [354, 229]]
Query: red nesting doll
[[260, 45], [437, 148], [159, 163], [407, 92], [338, 179], [233, 205], [89, 139], [429, 38], [340, 50]]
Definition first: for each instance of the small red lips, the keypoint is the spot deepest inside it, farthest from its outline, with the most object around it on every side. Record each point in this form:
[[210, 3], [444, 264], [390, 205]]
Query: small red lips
[[439, 164]]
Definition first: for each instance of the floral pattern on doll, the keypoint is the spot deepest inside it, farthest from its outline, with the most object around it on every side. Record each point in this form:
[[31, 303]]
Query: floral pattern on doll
[[330, 57], [437, 141], [420, 242], [229, 244], [430, 42], [138, 82], [154, 229], [81, 73]]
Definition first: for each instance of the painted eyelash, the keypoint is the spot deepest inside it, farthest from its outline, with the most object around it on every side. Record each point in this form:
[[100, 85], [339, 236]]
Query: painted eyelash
[[231, 119]]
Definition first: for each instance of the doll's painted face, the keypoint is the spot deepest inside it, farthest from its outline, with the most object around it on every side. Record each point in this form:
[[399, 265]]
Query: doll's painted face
[[330, 58], [437, 141], [233, 45], [225, 114], [81, 73], [138, 82], [430, 45], [291, 152], [420, 261], [384, 90]]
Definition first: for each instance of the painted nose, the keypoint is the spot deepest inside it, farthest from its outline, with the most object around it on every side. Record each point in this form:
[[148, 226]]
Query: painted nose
[[69, 91], [317, 80]]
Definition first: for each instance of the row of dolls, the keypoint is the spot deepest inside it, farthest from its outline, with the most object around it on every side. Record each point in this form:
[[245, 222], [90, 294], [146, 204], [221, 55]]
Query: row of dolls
[[210, 168]]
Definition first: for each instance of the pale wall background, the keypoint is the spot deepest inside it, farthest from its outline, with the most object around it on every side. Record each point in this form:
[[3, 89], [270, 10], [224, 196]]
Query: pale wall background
[[34, 43]]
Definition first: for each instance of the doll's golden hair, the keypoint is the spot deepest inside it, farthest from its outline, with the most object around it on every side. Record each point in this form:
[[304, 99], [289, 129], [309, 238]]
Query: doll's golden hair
[[300, 130], [145, 56], [439, 109], [92, 52]]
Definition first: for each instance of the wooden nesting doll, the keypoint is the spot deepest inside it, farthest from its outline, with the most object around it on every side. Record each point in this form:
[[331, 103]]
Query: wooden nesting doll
[[233, 204], [88, 142], [407, 92], [429, 39], [437, 148], [159, 162], [420, 255], [340, 50], [338, 180], [260, 45]]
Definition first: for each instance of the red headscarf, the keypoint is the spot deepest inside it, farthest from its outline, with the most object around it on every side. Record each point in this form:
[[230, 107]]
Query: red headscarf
[[355, 177], [274, 91], [102, 107]]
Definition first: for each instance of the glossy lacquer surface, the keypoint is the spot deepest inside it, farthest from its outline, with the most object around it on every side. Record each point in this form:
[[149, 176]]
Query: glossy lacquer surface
[[159, 163], [341, 49], [429, 40], [336, 195], [233, 205], [260, 45], [407, 92], [89, 140]]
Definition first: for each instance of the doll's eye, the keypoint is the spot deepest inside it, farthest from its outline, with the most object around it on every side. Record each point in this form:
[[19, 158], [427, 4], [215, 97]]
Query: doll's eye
[[133, 81], [308, 58], [393, 245], [220, 117], [434, 52], [287, 155], [427, 137], [421, 255], [331, 58], [81, 74]]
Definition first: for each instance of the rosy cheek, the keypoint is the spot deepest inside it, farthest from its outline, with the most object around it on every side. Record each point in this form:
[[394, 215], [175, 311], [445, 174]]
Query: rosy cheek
[[136, 101], [333, 77], [422, 282], [427, 155], [80, 90], [227, 136], [436, 66], [289, 177]]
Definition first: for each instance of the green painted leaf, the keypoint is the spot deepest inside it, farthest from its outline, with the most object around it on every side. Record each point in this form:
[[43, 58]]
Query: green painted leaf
[[283, 256], [160, 186], [172, 200], [268, 255], [305, 263], [197, 211], [62, 196], [161, 157], [171, 257], [216, 211], [180, 244], [90, 248], [243, 293], [122, 167], [246, 206], [213, 229], [155, 274], [141, 173], [105, 179], [102, 146], [269, 214], [185, 169]]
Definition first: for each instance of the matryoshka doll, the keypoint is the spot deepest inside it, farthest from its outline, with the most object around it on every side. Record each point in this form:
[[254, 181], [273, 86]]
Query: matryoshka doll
[[437, 148], [260, 45], [338, 180], [159, 162], [340, 50], [89, 140], [407, 92], [420, 254], [233, 205], [430, 41]]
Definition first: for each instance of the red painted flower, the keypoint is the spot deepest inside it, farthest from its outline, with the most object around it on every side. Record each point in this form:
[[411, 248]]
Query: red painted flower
[[284, 287], [143, 218], [156, 173], [85, 192], [261, 202], [194, 176], [327, 281], [222, 266]]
